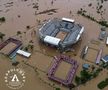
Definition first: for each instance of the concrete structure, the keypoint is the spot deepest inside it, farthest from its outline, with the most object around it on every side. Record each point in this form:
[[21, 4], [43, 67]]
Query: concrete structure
[[62, 33]]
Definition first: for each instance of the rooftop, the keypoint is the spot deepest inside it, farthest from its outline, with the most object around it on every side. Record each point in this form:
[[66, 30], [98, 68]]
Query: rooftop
[[65, 31], [105, 58], [86, 66]]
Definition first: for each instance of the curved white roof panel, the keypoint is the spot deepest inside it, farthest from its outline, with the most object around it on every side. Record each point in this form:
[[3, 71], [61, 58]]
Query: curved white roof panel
[[107, 41], [67, 19], [78, 37], [52, 40]]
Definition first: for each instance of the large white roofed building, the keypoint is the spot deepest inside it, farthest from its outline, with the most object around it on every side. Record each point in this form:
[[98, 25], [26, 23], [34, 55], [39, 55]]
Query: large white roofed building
[[61, 33]]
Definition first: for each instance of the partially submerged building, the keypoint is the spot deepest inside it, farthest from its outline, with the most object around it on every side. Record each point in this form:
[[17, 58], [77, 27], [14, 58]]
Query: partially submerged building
[[102, 34], [10, 46], [70, 74], [105, 59], [62, 33]]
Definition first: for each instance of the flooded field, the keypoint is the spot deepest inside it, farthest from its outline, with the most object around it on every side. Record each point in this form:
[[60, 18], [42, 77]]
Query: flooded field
[[63, 73], [23, 20]]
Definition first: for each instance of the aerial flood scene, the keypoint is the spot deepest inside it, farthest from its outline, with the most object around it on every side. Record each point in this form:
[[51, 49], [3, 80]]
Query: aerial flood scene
[[53, 44]]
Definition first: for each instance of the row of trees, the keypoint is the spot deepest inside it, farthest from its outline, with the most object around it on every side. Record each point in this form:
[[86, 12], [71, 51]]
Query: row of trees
[[83, 13]]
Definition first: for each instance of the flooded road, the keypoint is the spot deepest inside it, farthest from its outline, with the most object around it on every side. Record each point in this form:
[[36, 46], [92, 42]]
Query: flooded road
[[33, 13]]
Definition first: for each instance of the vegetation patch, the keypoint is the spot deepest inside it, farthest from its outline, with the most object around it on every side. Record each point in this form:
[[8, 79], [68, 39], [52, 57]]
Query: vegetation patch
[[103, 84], [2, 19], [85, 76], [2, 36]]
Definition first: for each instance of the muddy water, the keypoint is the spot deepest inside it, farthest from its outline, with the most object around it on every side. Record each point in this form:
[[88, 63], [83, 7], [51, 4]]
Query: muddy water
[[20, 13]]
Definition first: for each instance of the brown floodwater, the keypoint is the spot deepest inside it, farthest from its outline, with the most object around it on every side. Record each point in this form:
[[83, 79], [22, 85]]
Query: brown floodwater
[[21, 13]]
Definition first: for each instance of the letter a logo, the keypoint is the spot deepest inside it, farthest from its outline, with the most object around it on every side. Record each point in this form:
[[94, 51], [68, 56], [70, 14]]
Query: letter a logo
[[15, 78]]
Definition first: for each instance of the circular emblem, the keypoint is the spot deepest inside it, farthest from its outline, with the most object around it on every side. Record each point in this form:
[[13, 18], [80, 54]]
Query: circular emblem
[[15, 78]]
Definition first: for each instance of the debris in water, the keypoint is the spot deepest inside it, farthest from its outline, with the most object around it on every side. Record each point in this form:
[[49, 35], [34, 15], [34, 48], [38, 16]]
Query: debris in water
[[48, 11]]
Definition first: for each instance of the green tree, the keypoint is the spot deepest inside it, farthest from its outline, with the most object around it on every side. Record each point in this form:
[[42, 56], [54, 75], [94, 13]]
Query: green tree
[[77, 80], [18, 33], [31, 47], [2, 19], [57, 89], [26, 48], [85, 74], [2, 36], [28, 27]]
